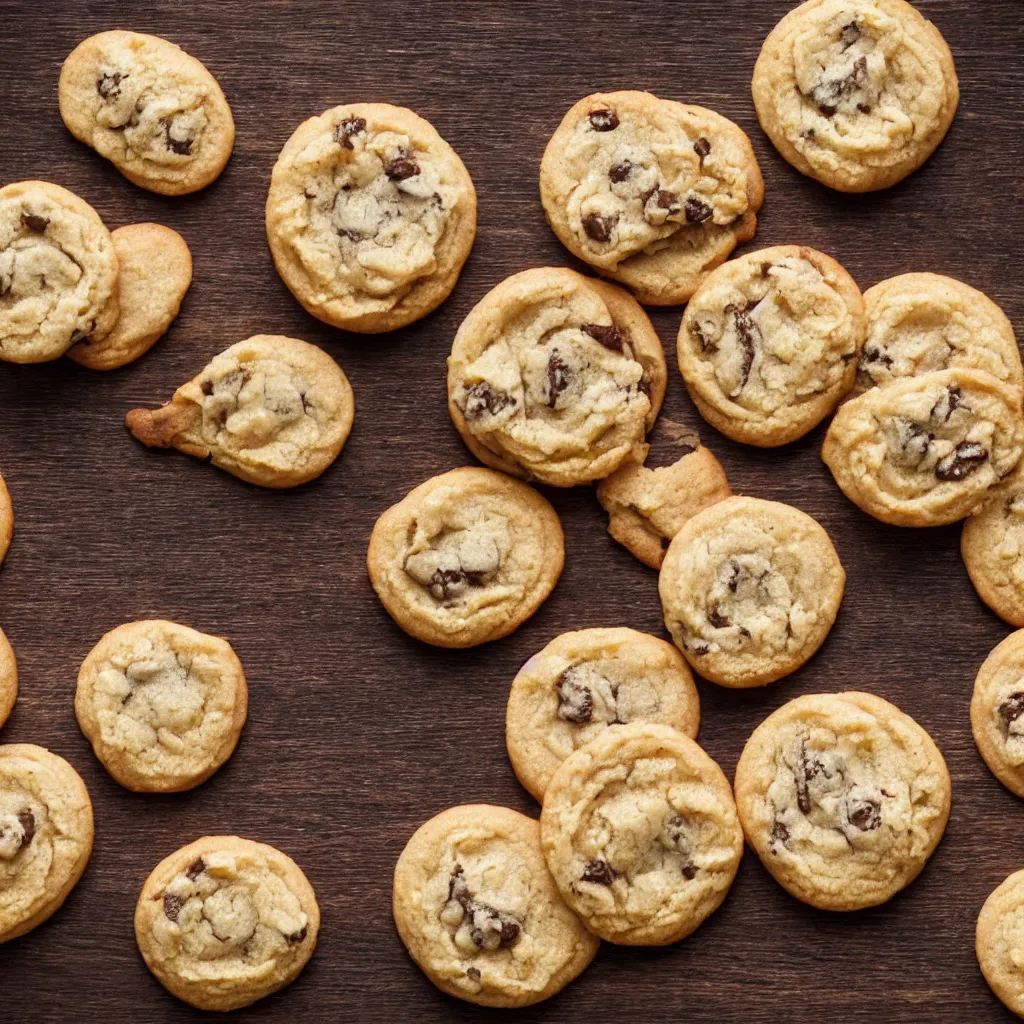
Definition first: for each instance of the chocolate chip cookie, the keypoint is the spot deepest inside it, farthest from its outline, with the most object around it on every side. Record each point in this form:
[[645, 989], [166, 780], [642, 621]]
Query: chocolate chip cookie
[[769, 342], [855, 93], [370, 216], [8, 678], [58, 273], [479, 913], [750, 589], [271, 410], [225, 921], [555, 377], [466, 557], [46, 833], [999, 938], [583, 682], [924, 451], [843, 797], [640, 832], [6, 520], [997, 712], [152, 110], [650, 192]]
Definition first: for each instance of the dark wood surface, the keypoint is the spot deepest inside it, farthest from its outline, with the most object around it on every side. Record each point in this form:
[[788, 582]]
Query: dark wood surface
[[358, 733]]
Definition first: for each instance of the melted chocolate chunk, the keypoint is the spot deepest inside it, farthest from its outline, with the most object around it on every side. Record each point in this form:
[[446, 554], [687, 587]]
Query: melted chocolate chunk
[[1012, 708], [697, 211], [172, 906], [195, 869], [599, 872], [867, 815], [481, 398], [558, 378], [828, 95], [611, 337], [183, 147], [961, 462], [749, 335], [401, 167], [34, 222], [875, 355], [473, 973], [702, 147], [444, 581], [599, 228], [621, 171], [661, 199], [28, 825], [108, 85], [717, 619], [948, 402], [575, 701], [603, 120], [490, 929], [344, 130], [296, 937], [780, 834]]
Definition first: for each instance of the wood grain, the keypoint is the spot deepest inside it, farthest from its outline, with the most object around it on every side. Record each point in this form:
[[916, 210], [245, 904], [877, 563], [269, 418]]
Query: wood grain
[[356, 732]]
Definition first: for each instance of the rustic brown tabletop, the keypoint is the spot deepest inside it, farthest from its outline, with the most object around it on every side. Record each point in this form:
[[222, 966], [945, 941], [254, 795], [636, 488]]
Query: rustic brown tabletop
[[358, 733]]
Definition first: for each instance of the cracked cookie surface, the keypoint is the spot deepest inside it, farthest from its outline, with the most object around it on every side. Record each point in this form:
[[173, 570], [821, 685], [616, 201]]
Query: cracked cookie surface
[[843, 797], [225, 921], [650, 192], [8, 678], [640, 832], [855, 93], [997, 712], [163, 705], [271, 410], [466, 557], [151, 109], [999, 942], [478, 911]]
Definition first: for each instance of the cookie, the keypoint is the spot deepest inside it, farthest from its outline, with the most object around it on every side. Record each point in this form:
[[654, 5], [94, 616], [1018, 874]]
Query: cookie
[[640, 832], [479, 913], [271, 410], [152, 110], [998, 940], [6, 520], [583, 682], [923, 451], [58, 273], [769, 342], [918, 323], [370, 216], [155, 272], [46, 833], [650, 192], [750, 589], [855, 93], [555, 377], [8, 678], [466, 557], [997, 712], [162, 705], [225, 921]]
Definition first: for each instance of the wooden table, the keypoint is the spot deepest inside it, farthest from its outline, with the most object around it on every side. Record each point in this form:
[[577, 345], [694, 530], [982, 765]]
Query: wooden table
[[358, 733]]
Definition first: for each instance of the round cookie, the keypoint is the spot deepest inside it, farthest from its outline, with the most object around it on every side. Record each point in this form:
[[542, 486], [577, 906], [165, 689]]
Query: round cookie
[[155, 272], [225, 921], [162, 705], [8, 678], [370, 216], [999, 940], [466, 557], [923, 451], [479, 913], [769, 342], [855, 93], [640, 832], [583, 682], [58, 273], [555, 377], [750, 589], [46, 833], [271, 410], [152, 110], [6, 520], [843, 797], [650, 192], [997, 712], [918, 323]]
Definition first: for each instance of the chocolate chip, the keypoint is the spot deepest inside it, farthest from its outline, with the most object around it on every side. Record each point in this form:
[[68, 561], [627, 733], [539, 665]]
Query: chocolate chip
[[183, 147], [34, 222], [296, 937], [829, 94], [1012, 708], [697, 211], [344, 130], [558, 378], [735, 571], [108, 85], [473, 974], [599, 228], [28, 825], [458, 890], [489, 928], [948, 402], [599, 872], [603, 120], [749, 335], [914, 441], [575, 701], [874, 354], [867, 815], [961, 462], [509, 931], [864, 108], [481, 398], [401, 167], [702, 147], [610, 336], [780, 834], [658, 198], [621, 171], [444, 581], [206, 387], [172, 906], [849, 34], [717, 619], [195, 869], [827, 109]]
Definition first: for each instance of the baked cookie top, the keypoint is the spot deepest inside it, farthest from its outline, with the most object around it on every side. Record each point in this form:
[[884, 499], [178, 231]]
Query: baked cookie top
[[997, 712], [152, 110], [769, 342], [923, 451], [271, 410], [466, 557], [855, 93], [58, 272], [999, 941], [555, 377], [479, 913], [651, 192], [750, 589], [370, 216], [6, 520], [843, 797], [8, 678], [640, 832], [225, 921]]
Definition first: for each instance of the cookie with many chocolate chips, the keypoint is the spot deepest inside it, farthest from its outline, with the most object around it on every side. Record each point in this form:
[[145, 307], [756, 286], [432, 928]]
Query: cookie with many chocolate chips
[[271, 410], [8, 678], [750, 589], [640, 832], [997, 712], [46, 833], [479, 913], [855, 93], [555, 377], [466, 557], [769, 343], [843, 797], [152, 110], [225, 921], [999, 937], [370, 216], [924, 451], [583, 682]]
